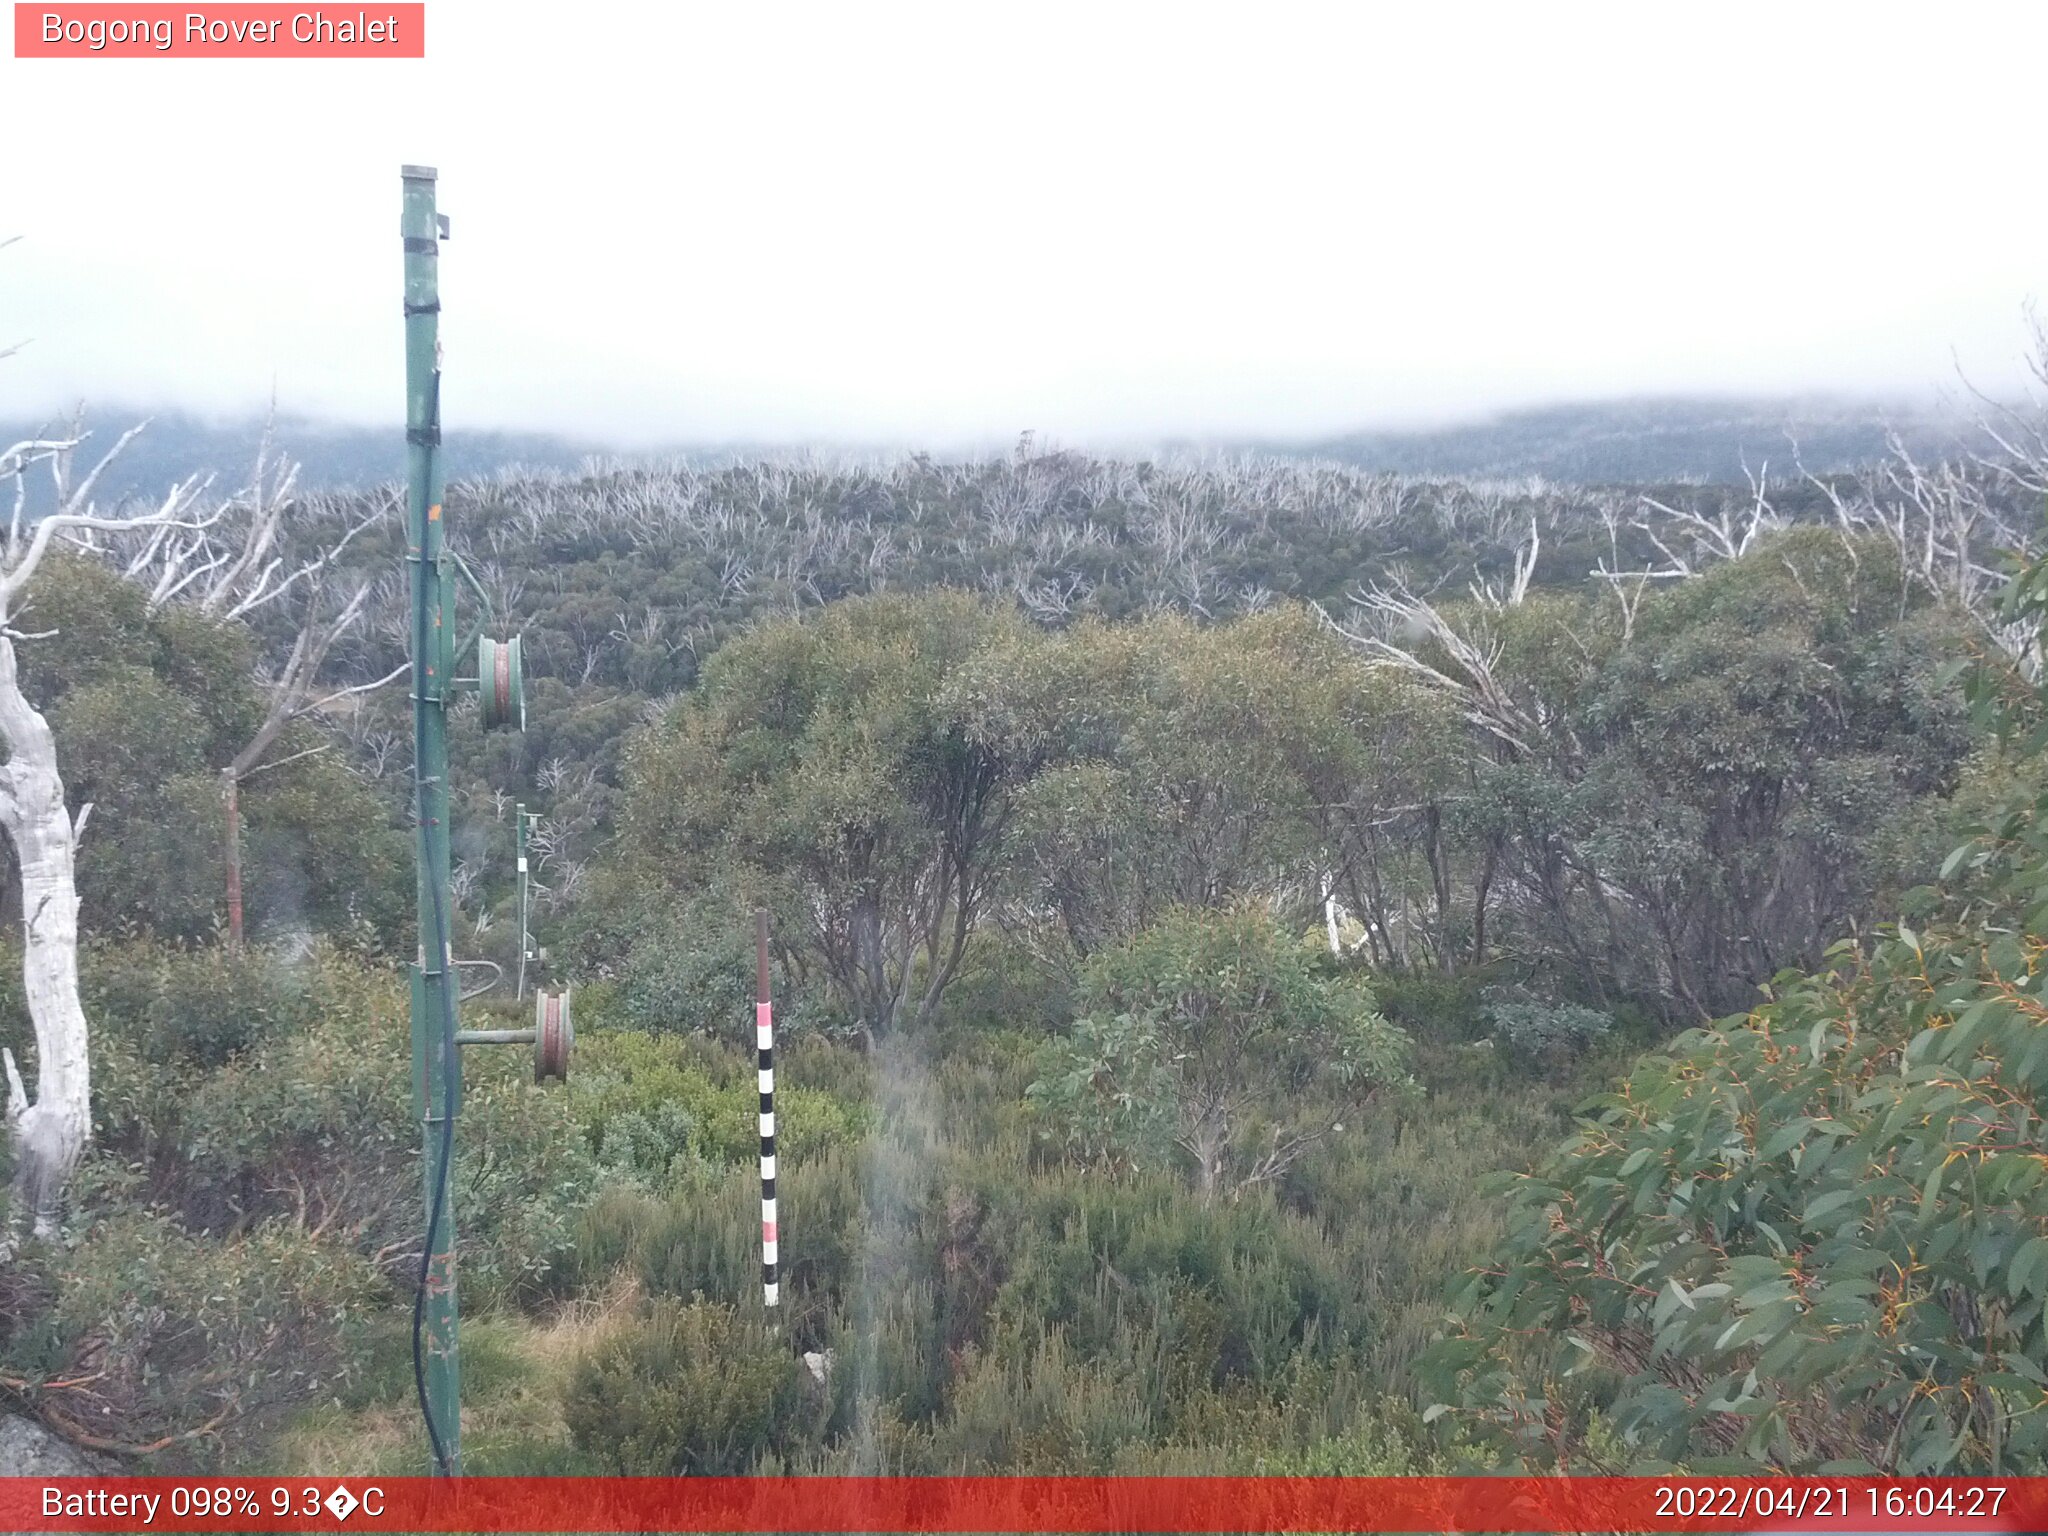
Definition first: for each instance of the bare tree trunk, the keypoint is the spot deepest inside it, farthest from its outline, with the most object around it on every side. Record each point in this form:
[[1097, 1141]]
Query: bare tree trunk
[[1440, 875], [1205, 1138], [231, 795], [49, 1134], [1483, 886]]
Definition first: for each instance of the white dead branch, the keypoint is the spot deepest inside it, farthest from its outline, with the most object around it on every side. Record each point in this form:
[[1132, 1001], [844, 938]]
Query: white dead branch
[[50, 1129]]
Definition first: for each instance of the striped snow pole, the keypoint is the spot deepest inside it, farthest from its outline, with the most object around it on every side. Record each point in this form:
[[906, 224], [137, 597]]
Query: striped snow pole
[[764, 1044]]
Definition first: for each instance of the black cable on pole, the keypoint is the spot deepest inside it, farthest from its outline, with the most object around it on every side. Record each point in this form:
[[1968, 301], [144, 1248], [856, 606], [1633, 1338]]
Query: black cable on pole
[[419, 1297]]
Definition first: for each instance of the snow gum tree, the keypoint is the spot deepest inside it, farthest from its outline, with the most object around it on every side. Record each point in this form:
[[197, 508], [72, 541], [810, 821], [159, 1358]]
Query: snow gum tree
[[50, 1130]]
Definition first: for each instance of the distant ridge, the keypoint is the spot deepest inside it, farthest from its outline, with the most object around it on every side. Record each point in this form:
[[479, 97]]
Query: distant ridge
[[332, 455], [1650, 440], [1604, 442]]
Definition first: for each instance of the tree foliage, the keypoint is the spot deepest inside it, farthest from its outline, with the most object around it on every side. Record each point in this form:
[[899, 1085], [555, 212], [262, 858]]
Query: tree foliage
[[1201, 1042], [146, 707], [853, 768], [1814, 1236]]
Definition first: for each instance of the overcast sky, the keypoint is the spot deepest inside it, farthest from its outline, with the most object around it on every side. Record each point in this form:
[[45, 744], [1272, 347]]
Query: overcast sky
[[1103, 221]]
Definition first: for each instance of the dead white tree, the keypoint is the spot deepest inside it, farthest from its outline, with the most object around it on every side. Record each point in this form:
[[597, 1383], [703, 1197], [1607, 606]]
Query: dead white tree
[[1948, 523], [1406, 633], [51, 1130], [1688, 539], [1410, 636], [1488, 595]]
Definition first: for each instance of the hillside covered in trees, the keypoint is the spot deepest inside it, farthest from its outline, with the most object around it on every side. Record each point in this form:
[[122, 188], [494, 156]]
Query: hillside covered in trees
[[1614, 442], [1189, 883]]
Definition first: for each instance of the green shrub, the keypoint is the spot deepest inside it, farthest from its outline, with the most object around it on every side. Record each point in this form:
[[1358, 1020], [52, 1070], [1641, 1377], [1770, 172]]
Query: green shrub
[[814, 1061], [1140, 1327], [197, 1004], [314, 1125], [685, 965], [705, 1239], [1431, 1005], [1547, 1036], [1214, 1042], [1384, 1440], [147, 705], [608, 1234], [1807, 1238], [1006, 985], [650, 1102], [690, 1388], [1216, 1292], [1039, 1407], [148, 1334]]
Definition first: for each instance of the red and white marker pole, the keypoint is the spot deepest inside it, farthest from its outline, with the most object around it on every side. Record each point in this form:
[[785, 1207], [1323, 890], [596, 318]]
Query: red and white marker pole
[[764, 1044]]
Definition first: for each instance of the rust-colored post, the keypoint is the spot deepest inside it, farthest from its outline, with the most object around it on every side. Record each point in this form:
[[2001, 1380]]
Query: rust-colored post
[[233, 798]]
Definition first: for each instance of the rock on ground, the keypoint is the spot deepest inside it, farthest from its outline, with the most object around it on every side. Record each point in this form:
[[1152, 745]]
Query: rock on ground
[[29, 1450]]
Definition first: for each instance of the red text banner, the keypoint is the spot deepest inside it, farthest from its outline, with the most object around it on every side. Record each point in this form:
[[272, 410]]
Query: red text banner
[[999, 1504], [227, 31]]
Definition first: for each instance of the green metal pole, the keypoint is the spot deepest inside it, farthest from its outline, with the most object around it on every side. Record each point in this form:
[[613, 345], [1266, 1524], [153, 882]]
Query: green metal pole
[[436, 1078]]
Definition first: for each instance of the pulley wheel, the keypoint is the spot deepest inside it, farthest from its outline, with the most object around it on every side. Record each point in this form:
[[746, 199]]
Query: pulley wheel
[[501, 684], [553, 1035]]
